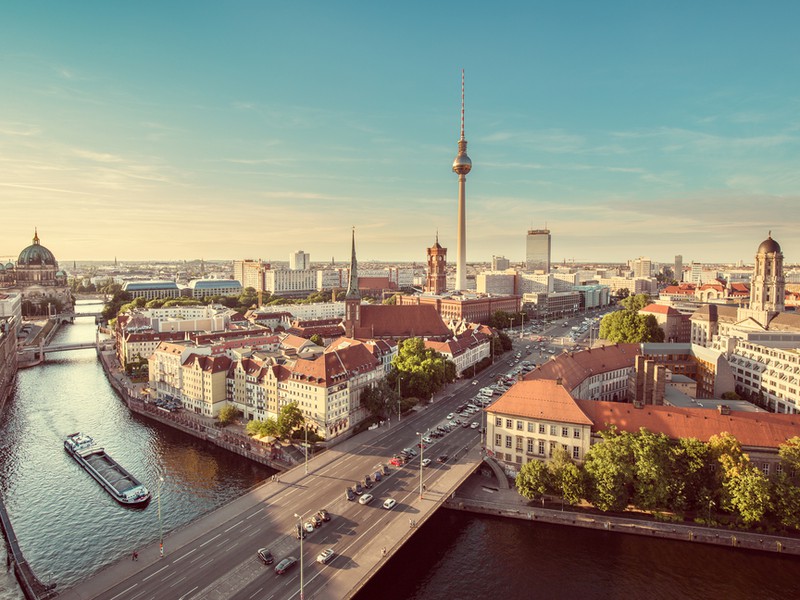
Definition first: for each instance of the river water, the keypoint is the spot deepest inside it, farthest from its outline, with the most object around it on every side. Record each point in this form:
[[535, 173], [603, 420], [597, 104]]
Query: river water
[[69, 527]]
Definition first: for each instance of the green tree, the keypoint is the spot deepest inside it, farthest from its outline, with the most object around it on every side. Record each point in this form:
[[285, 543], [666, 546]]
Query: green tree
[[505, 341], [695, 483], [623, 293], [786, 485], [635, 303], [380, 399], [653, 469], [317, 339], [421, 371], [227, 414], [626, 326], [566, 478], [391, 300], [748, 489], [609, 468], [533, 480], [290, 418]]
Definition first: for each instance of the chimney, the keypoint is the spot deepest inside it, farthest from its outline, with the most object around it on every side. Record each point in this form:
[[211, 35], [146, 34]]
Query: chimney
[[724, 409], [558, 381]]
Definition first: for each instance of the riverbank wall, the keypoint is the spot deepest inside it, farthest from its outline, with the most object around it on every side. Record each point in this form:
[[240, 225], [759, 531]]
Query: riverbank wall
[[473, 496], [31, 587], [197, 426]]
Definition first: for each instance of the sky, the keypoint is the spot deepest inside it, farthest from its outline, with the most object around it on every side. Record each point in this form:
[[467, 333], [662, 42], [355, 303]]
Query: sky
[[180, 130]]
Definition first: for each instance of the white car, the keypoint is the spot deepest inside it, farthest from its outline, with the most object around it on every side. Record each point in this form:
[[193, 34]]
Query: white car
[[365, 499], [426, 462], [389, 503], [450, 416], [474, 425], [325, 556], [474, 382]]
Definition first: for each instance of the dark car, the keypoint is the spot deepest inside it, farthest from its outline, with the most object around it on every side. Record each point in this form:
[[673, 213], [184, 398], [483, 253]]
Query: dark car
[[349, 494], [324, 515], [358, 489], [377, 476], [316, 520], [385, 469], [368, 482], [265, 556], [442, 458], [286, 564]]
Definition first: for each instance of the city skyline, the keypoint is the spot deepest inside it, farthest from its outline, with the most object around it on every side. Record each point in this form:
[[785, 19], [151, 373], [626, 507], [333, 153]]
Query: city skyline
[[219, 133]]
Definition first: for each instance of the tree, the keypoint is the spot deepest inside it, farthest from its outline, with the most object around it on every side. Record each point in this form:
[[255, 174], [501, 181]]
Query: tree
[[533, 480], [380, 399], [786, 489], [653, 469], [290, 418], [748, 489], [695, 484], [609, 468], [391, 300], [566, 478], [635, 303], [623, 293], [421, 371], [268, 427], [626, 326], [227, 414], [317, 339], [505, 341]]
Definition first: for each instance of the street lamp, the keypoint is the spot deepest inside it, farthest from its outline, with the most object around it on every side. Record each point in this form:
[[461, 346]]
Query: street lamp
[[306, 428], [302, 535], [421, 453], [160, 522], [710, 504]]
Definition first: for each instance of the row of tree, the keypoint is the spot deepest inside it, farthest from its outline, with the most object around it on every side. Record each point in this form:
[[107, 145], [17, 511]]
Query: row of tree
[[687, 477], [290, 418]]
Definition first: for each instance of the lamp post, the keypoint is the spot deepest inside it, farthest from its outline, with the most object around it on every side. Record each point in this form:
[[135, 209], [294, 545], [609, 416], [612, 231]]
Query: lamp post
[[421, 453], [306, 428], [160, 522], [710, 504], [302, 535], [399, 395]]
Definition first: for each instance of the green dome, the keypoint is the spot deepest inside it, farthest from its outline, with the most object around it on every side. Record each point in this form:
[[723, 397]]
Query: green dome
[[36, 255]]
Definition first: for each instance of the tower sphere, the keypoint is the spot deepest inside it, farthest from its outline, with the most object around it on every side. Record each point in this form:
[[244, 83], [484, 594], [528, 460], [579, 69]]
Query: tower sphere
[[462, 164]]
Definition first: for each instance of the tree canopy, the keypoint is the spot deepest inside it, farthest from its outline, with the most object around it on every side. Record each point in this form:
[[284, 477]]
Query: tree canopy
[[420, 371], [628, 326]]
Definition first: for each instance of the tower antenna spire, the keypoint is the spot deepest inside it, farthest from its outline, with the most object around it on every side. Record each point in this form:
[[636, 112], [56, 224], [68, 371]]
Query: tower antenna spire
[[462, 104]]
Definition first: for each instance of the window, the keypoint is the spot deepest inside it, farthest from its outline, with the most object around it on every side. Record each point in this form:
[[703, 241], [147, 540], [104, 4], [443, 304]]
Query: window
[[519, 425], [509, 424], [576, 452], [498, 421], [498, 439], [553, 430], [576, 433], [541, 447], [508, 441], [530, 427], [519, 459], [519, 443], [530, 445], [565, 432], [765, 469], [541, 428]]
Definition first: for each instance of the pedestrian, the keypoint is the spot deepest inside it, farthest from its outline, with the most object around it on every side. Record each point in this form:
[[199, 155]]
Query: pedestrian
[[410, 523], [135, 555]]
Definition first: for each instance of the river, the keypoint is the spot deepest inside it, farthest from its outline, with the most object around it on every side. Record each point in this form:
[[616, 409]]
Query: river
[[69, 527]]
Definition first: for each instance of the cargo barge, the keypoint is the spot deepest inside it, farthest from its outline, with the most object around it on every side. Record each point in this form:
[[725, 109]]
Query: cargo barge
[[119, 483]]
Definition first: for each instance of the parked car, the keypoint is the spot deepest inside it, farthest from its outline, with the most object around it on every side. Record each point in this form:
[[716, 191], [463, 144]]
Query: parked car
[[316, 520], [325, 556], [389, 503], [324, 515], [442, 458], [286, 564], [474, 425], [265, 556], [377, 476], [299, 533], [358, 489], [386, 470], [365, 499], [368, 482], [309, 526], [397, 461], [426, 462], [349, 494]]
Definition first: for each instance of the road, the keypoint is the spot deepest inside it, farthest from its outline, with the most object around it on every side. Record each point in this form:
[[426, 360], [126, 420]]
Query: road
[[216, 557]]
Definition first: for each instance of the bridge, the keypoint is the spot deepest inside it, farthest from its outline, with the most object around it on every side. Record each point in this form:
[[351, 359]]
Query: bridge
[[40, 352], [362, 535]]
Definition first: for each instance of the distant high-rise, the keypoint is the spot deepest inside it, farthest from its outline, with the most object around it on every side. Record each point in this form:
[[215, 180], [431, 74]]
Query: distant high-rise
[[678, 268], [537, 250], [642, 266], [436, 280], [299, 261], [461, 166], [500, 263]]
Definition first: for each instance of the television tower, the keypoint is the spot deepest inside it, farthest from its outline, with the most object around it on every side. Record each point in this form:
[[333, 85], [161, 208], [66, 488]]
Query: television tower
[[462, 165]]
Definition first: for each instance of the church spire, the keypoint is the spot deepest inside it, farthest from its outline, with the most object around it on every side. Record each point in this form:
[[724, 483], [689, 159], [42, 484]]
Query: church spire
[[35, 235], [352, 285]]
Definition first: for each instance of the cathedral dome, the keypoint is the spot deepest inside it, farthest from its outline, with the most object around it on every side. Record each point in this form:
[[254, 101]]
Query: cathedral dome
[[769, 246], [36, 255]]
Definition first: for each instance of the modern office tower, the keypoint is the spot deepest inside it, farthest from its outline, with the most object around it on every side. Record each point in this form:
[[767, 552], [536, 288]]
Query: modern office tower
[[537, 250], [299, 261], [678, 268], [250, 273], [461, 166], [642, 266], [696, 273], [500, 263], [436, 281]]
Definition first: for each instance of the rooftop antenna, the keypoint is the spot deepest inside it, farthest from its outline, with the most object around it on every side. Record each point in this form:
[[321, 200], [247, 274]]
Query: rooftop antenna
[[462, 104]]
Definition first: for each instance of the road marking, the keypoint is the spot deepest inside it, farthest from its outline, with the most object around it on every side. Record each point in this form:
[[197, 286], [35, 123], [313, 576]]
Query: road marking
[[177, 581], [186, 595], [156, 573], [185, 555], [211, 540], [255, 514], [125, 591], [235, 525], [256, 593]]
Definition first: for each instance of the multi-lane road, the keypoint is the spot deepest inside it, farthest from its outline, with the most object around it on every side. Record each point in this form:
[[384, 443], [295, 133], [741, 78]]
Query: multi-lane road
[[216, 556]]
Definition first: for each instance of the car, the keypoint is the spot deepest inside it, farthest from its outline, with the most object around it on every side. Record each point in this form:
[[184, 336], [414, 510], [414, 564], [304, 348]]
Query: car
[[426, 462], [465, 424], [474, 382], [324, 515], [411, 451], [299, 533], [325, 556], [377, 476], [265, 556], [286, 564], [389, 503], [450, 416], [474, 425], [309, 526], [358, 489], [421, 445], [426, 440], [385, 469], [368, 482], [316, 520], [349, 494], [397, 461], [442, 458], [365, 499]]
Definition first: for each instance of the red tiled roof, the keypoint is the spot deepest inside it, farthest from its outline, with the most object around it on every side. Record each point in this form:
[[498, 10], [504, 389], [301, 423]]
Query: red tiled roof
[[753, 430], [541, 399], [660, 309], [382, 320], [573, 368], [346, 358], [211, 364]]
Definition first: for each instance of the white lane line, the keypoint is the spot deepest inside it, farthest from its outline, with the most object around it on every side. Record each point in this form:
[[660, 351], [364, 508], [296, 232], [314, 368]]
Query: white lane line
[[125, 591], [211, 540], [156, 573], [255, 514], [185, 555], [256, 593], [235, 525], [178, 581], [208, 562], [186, 595]]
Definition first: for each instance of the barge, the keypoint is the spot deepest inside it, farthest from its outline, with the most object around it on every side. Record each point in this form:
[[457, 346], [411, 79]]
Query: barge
[[119, 483]]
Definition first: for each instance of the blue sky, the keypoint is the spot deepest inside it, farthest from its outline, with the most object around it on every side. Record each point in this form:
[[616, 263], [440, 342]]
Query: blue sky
[[183, 130]]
